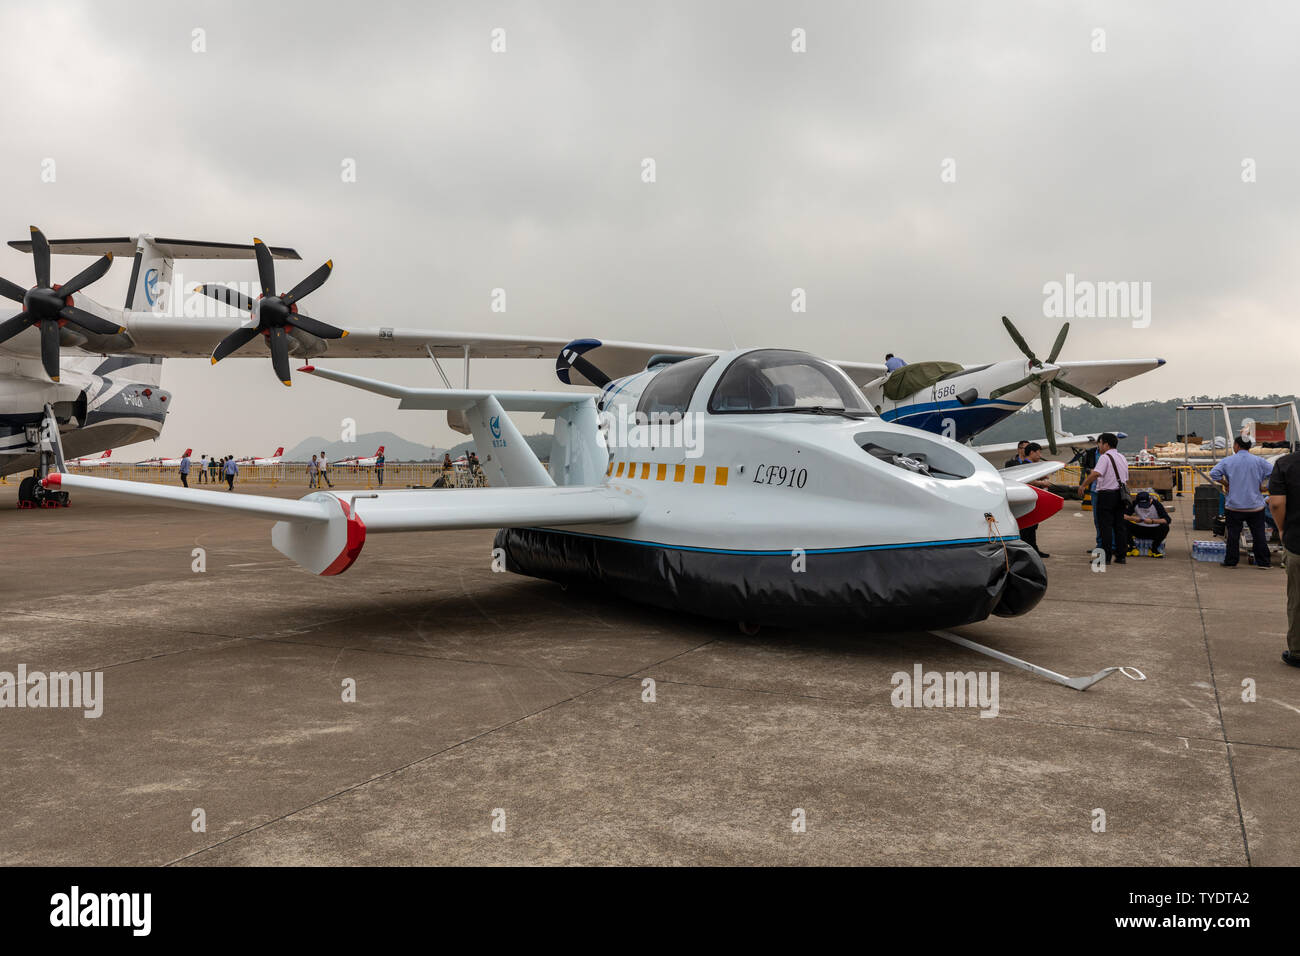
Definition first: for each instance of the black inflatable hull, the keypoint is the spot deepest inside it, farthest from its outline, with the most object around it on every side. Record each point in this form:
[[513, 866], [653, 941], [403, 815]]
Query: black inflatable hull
[[878, 589]]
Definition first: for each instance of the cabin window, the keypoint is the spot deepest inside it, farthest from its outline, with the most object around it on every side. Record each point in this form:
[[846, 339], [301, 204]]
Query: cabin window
[[669, 393], [777, 380]]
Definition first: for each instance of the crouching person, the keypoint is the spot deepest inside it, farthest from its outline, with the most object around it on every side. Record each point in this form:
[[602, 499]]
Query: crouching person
[[1146, 520]]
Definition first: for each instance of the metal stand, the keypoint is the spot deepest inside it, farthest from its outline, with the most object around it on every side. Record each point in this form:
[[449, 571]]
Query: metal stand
[[1078, 683]]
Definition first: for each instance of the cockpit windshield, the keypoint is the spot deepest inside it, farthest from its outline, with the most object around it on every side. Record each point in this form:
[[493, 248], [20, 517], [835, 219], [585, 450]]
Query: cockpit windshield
[[778, 380]]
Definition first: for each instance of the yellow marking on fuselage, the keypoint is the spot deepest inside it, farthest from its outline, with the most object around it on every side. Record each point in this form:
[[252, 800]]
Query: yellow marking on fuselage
[[699, 474], [661, 473], [679, 473], [645, 470], [720, 477]]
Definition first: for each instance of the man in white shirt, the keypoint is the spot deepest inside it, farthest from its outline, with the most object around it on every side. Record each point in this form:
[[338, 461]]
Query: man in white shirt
[[1110, 472]]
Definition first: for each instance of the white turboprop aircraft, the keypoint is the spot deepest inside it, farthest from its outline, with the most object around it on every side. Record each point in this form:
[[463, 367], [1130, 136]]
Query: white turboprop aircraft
[[258, 462], [92, 372], [756, 457], [753, 485], [93, 462]]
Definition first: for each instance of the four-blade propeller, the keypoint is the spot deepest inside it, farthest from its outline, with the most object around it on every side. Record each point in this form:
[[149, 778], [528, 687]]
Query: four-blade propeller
[[49, 306], [1044, 387], [273, 313]]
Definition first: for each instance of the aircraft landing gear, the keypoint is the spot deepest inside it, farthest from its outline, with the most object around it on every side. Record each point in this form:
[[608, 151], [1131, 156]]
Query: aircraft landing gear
[[45, 438], [32, 494]]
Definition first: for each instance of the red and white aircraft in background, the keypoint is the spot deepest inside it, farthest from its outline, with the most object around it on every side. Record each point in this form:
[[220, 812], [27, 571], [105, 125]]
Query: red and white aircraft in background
[[355, 462], [92, 462], [273, 460], [165, 462]]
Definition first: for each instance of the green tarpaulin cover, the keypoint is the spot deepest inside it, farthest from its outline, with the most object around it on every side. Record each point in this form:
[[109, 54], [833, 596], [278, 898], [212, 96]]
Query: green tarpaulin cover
[[912, 378]]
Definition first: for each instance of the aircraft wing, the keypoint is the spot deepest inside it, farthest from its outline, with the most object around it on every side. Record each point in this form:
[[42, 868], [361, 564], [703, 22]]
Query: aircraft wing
[[862, 372], [1098, 376], [325, 531], [180, 337]]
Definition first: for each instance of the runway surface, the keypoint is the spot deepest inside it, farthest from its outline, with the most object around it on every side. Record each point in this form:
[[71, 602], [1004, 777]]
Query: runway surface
[[485, 698]]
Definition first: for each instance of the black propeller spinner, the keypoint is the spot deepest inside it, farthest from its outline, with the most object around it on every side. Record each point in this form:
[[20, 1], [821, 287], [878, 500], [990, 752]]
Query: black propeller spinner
[[274, 312], [1044, 388], [49, 306]]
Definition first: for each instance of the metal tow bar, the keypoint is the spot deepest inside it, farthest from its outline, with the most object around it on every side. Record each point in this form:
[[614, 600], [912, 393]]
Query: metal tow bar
[[1078, 683]]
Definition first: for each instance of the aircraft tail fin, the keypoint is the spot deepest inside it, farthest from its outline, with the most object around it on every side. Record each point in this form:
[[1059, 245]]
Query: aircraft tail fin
[[278, 452]]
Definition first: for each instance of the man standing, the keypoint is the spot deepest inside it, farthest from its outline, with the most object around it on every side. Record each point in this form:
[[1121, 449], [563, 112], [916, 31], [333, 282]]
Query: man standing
[[313, 472], [325, 470], [185, 470], [1111, 472], [379, 466], [1242, 476], [203, 468], [1283, 490], [1033, 452], [232, 469]]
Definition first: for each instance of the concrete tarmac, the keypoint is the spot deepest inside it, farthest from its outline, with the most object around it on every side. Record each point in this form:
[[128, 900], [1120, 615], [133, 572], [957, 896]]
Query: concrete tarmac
[[502, 720]]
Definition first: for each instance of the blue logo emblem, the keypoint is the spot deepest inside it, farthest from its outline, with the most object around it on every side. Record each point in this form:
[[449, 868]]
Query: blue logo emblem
[[151, 285], [494, 423]]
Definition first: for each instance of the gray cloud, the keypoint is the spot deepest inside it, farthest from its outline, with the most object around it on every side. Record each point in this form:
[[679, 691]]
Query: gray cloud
[[775, 170]]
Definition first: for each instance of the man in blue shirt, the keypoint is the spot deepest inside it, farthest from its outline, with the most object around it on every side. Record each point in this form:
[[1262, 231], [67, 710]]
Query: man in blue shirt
[[1243, 476], [185, 470], [232, 469], [893, 363]]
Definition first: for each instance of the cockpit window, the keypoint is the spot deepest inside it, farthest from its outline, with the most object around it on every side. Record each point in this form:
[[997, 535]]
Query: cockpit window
[[776, 380], [669, 392]]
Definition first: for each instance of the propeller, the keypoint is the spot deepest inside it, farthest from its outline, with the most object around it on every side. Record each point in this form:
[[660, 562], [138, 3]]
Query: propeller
[[274, 313], [1044, 387], [49, 306]]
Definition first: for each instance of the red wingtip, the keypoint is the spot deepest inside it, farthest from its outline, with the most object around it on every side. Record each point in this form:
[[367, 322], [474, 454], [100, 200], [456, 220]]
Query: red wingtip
[[307, 368], [53, 480]]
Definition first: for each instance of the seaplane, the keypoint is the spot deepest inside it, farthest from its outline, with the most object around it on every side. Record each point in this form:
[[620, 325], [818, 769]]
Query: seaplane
[[961, 401], [754, 485], [260, 462]]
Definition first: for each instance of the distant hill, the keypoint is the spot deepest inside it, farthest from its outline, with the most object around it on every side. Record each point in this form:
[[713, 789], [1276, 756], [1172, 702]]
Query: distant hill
[[1154, 421], [396, 448]]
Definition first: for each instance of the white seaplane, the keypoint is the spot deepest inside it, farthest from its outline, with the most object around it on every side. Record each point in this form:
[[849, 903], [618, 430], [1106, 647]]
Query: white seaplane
[[754, 485]]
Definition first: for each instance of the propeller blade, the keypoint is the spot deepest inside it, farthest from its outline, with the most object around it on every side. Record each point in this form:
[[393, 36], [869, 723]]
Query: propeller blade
[[12, 290], [265, 266], [11, 327], [223, 293], [88, 275], [41, 256], [233, 342], [91, 323], [280, 355], [588, 371], [1020, 341], [1059, 343], [1045, 396], [1008, 389], [1077, 392], [322, 330], [50, 348], [309, 284]]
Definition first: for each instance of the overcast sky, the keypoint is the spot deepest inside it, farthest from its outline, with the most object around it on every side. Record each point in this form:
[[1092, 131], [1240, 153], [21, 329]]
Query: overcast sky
[[775, 170]]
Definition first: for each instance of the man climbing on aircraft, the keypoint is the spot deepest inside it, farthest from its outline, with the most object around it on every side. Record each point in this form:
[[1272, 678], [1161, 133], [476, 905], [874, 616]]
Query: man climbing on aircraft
[[893, 363]]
